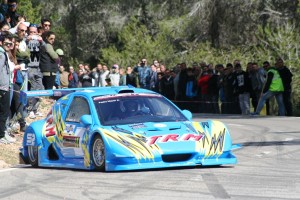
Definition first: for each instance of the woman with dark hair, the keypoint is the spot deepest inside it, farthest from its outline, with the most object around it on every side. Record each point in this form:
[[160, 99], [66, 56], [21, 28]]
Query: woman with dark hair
[[49, 60], [7, 67], [4, 26]]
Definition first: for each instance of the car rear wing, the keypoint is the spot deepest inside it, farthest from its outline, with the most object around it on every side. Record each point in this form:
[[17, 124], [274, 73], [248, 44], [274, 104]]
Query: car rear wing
[[58, 93]]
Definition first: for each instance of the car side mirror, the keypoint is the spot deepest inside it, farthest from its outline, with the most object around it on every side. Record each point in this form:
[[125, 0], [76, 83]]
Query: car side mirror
[[187, 114], [86, 120]]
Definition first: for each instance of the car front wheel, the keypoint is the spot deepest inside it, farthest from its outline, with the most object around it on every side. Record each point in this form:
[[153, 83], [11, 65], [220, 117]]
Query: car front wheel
[[98, 153], [33, 155]]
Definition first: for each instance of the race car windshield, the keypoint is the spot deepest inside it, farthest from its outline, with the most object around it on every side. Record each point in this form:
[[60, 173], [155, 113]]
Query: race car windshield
[[135, 108]]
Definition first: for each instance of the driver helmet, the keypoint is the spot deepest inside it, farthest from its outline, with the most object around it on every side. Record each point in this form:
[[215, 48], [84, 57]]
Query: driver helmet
[[131, 105]]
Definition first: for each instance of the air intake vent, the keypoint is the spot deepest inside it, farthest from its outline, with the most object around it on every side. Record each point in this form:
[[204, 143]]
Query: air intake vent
[[125, 91], [176, 157], [52, 155]]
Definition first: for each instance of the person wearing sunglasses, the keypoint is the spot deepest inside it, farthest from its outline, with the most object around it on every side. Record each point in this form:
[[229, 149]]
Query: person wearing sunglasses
[[45, 25], [10, 9], [49, 60], [7, 66], [144, 74]]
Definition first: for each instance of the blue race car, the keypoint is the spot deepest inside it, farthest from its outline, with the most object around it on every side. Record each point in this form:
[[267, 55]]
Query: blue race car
[[121, 128]]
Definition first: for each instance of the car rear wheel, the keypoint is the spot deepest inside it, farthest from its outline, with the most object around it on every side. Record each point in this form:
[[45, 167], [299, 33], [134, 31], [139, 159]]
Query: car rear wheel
[[33, 155], [98, 153]]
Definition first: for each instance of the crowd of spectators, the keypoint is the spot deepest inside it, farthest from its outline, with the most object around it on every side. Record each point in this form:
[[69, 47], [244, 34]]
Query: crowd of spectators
[[29, 61], [201, 87]]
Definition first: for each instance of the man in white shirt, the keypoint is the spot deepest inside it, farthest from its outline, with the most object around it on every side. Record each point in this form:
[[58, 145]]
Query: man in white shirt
[[114, 75]]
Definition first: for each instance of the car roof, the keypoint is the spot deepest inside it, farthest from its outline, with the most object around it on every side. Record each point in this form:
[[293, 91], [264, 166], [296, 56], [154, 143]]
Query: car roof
[[89, 92], [100, 91]]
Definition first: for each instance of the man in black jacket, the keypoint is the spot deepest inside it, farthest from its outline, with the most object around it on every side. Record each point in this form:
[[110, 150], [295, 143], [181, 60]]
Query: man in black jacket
[[167, 85], [286, 77], [242, 88]]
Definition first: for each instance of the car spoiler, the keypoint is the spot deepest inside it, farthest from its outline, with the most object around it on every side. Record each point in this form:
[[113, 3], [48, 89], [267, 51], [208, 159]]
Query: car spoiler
[[236, 146], [58, 93]]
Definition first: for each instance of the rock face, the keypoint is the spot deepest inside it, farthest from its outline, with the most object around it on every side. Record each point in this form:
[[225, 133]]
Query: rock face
[[94, 24], [3, 164]]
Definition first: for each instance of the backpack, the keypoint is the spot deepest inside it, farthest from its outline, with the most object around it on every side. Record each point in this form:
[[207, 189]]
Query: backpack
[[19, 77], [190, 90]]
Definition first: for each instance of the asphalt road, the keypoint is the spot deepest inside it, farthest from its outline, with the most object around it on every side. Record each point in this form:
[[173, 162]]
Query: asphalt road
[[268, 168]]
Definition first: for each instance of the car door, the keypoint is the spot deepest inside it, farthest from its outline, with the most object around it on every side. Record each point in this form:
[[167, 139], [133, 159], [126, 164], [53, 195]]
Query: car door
[[74, 131]]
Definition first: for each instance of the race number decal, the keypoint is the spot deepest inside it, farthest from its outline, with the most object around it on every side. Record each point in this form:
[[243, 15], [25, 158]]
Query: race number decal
[[30, 140]]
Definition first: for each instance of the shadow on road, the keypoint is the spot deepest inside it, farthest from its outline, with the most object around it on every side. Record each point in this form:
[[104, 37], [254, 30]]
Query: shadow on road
[[271, 143]]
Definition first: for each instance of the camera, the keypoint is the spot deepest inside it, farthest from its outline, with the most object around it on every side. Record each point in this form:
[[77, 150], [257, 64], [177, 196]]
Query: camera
[[34, 37], [108, 80], [23, 60]]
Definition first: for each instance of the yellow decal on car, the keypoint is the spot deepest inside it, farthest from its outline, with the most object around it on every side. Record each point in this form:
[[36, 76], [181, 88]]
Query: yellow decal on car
[[84, 145], [213, 140], [135, 143]]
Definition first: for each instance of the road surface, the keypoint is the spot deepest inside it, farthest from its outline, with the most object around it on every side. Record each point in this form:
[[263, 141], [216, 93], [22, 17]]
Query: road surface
[[268, 168]]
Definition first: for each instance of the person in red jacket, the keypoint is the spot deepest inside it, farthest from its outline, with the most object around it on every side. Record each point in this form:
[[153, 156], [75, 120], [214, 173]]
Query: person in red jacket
[[203, 85]]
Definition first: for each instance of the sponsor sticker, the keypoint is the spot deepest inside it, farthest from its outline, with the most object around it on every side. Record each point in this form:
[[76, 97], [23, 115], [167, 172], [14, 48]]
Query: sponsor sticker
[[160, 125], [137, 126], [30, 139]]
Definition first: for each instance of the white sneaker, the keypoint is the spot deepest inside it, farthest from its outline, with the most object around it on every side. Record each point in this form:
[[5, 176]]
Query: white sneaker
[[4, 141], [15, 127], [9, 138], [32, 115]]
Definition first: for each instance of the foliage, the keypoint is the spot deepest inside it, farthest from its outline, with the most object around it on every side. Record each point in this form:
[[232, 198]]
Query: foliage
[[217, 31], [31, 11], [136, 42], [284, 42], [74, 63], [62, 35]]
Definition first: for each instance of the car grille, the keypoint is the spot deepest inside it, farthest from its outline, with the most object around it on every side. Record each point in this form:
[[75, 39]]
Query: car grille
[[176, 157]]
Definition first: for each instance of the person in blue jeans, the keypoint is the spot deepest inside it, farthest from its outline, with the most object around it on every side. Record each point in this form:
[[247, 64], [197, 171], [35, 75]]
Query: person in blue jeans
[[144, 74], [273, 87]]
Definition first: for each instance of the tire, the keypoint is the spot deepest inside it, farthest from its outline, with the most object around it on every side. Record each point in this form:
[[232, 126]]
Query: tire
[[33, 157], [98, 153]]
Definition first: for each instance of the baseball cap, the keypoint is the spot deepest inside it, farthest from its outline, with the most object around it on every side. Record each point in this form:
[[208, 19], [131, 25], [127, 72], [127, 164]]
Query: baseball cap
[[115, 66], [26, 23], [34, 25], [59, 52]]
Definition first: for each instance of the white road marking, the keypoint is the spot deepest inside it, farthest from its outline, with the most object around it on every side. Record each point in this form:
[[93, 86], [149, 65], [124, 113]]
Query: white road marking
[[15, 167], [289, 139], [235, 125], [7, 170], [263, 153]]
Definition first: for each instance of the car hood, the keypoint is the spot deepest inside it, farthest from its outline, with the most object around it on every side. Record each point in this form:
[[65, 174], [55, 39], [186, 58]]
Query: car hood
[[151, 128], [169, 137]]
